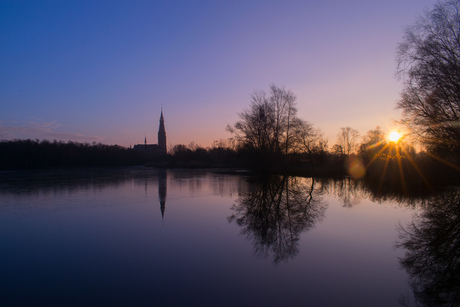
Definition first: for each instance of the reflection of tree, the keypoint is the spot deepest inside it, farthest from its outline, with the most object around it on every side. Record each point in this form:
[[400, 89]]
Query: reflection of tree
[[274, 216], [348, 190], [432, 259], [351, 191]]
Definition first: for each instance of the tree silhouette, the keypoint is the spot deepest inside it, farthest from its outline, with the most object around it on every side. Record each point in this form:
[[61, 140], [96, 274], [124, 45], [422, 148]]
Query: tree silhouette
[[265, 128], [347, 139], [270, 130], [429, 63]]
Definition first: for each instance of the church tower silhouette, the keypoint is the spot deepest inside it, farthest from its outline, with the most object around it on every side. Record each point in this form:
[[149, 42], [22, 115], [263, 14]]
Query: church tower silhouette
[[158, 150], [162, 135]]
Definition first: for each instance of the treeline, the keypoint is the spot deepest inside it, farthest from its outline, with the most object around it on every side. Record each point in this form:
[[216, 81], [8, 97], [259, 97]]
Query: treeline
[[40, 154], [226, 155], [36, 154], [194, 156], [384, 165]]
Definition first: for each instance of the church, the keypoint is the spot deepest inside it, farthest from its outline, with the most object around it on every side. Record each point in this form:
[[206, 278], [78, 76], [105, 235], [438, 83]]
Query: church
[[155, 149]]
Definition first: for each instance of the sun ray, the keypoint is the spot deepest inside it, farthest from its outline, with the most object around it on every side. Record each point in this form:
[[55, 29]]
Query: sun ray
[[401, 171], [383, 174], [417, 169], [377, 155], [393, 149], [455, 167]]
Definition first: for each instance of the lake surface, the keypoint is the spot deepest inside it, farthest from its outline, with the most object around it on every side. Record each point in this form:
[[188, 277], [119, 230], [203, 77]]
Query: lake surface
[[156, 237]]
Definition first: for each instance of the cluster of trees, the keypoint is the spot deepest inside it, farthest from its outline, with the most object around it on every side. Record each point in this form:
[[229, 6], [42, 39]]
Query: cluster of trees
[[269, 131], [36, 154], [31, 154], [221, 154], [270, 137]]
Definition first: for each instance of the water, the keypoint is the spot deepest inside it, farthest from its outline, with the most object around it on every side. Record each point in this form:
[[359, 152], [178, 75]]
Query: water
[[149, 237]]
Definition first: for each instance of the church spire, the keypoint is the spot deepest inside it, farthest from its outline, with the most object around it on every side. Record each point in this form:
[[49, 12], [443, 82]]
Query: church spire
[[162, 135]]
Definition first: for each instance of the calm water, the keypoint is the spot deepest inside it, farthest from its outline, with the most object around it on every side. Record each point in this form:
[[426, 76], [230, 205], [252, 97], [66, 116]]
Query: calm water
[[149, 237]]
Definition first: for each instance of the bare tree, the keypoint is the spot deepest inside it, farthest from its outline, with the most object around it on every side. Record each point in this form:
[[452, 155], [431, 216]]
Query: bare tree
[[283, 102], [267, 126], [372, 144], [373, 137], [347, 138], [308, 139], [255, 129], [429, 63], [337, 149]]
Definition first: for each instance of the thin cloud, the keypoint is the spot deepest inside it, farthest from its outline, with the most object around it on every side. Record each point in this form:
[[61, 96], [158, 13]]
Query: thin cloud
[[49, 125], [43, 131]]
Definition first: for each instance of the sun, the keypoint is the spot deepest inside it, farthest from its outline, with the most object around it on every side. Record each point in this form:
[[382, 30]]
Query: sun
[[394, 136]]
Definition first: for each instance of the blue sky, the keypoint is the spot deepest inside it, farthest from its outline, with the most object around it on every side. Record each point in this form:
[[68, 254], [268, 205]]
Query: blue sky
[[101, 70]]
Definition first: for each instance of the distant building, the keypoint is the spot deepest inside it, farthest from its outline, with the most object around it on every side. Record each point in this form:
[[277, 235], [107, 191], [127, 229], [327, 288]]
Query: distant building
[[155, 149]]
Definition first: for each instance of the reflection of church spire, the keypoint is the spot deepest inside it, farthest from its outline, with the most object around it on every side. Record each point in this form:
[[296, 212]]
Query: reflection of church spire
[[162, 176]]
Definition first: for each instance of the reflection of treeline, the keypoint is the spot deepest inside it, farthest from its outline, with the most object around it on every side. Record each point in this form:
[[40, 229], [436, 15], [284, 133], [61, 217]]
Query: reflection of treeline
[[34, 154], [61, 180]]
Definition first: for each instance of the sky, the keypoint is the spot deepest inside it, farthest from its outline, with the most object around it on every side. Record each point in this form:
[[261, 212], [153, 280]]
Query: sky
[[101, 71]]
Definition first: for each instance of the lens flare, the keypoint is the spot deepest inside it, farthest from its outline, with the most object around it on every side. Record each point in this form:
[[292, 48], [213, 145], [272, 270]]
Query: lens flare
[[355, 168], [394, 136]]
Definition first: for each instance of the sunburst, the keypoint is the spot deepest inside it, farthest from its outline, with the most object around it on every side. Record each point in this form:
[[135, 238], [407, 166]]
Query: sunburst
[[393, 149], [394, 136]]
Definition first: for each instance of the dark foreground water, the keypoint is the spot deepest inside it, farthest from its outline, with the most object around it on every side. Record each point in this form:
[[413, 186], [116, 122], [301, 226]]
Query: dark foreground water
[[149, 237]]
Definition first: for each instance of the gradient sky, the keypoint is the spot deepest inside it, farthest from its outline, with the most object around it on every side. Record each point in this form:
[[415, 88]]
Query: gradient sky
[[101, 70]]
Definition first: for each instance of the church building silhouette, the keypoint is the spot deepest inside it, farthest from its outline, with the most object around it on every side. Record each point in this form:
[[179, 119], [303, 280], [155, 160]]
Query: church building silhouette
[[155, 149]]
